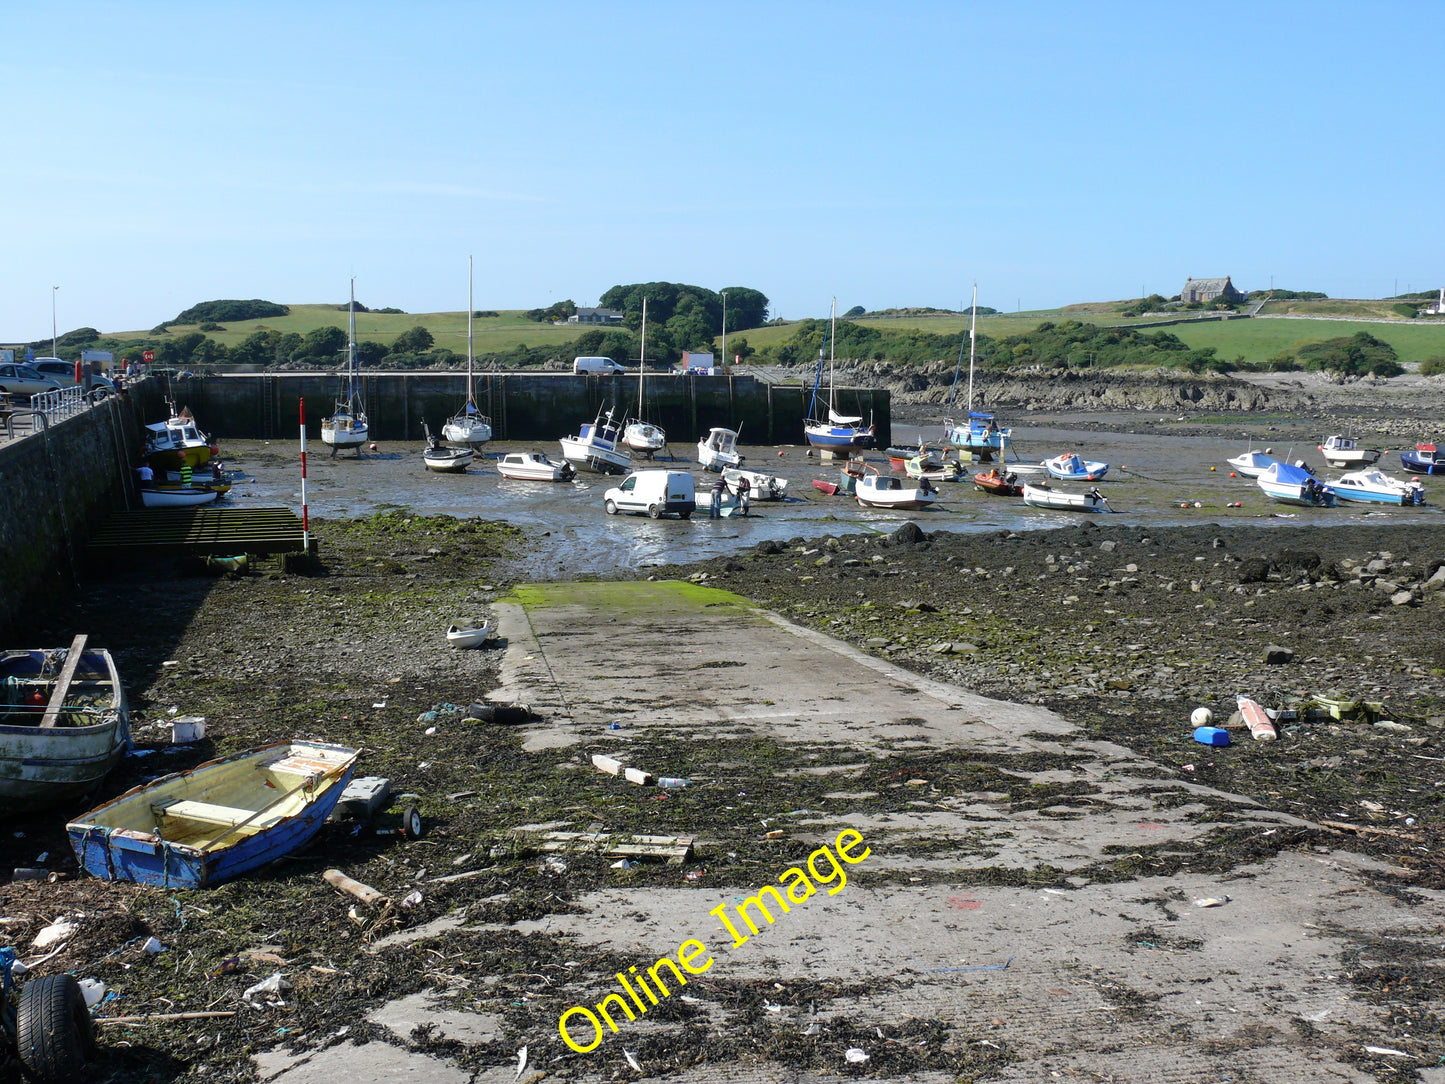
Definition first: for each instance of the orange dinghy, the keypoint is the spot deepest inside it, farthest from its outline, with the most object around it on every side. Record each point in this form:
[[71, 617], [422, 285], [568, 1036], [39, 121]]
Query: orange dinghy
[[1256, 719]]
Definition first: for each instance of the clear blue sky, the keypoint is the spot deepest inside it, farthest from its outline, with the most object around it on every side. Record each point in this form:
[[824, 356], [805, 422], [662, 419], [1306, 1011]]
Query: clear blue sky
[[161, 154]]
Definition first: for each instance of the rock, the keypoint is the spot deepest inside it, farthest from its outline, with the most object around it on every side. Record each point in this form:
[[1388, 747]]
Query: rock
[[876, 642], [1402, 598], [1392, 727], [1108, 547], [1437, 581], [1253, 570], [907, 535], [768, 547], [1377, 566], [1274, 655]]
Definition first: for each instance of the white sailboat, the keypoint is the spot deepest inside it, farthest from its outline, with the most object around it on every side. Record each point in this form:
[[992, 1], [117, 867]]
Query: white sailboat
[[468, 425], [641, 436], [980, 434], [836, 432], [347, 428]]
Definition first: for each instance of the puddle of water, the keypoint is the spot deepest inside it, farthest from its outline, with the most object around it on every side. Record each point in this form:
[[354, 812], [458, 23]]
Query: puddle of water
[[1150, 481]]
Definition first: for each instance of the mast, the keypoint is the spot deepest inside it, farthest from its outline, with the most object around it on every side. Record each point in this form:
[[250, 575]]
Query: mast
[[832, 343], [642, 359], [469, 331], [972, 331], [351, 374]]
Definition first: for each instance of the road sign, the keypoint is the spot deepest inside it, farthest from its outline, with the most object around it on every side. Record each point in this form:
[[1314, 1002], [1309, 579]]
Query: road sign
[[148, 356]]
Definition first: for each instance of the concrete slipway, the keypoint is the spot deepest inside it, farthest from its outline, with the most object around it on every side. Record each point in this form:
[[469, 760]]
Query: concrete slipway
[[1248, 990]]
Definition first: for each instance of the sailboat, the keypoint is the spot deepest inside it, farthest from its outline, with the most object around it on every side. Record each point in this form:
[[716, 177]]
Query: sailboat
[[980, 435], [346, 428], [468, 425], [836, 432], [643, 437]]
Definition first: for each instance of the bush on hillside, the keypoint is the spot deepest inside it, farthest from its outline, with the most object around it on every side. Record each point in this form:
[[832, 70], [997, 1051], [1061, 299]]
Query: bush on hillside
[[1356, 355], [223, 311], [553, 313], [415, 341], [1405, 310], [1433, 366]]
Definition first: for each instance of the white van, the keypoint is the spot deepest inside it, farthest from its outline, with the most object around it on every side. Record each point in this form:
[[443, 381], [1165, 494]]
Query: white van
[[605, 366], [657, 492]]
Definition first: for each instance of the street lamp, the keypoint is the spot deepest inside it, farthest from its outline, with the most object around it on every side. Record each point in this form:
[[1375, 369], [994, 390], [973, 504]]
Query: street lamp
[[725, 328], [53, 291]]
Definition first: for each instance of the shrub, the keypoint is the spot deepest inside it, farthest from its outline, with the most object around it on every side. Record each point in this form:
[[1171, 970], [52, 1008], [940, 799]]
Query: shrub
[[1403, 309], [220, 311], [1433, 366]]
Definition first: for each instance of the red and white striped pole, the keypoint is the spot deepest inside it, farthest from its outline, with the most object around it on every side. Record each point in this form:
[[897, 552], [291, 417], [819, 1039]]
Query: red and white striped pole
[[305, 522]]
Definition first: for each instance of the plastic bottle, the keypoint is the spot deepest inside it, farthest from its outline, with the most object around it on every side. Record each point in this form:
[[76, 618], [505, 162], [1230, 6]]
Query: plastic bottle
[[670, 781]]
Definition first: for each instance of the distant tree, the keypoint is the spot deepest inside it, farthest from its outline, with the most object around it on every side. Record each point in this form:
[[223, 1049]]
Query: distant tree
[[1433, 366], [415, 341], [856, 310], [747, 308], [178, 351], [1357, 355], [226, 311], [1403, 309], [371, 353], [322, 343], [554, 313]]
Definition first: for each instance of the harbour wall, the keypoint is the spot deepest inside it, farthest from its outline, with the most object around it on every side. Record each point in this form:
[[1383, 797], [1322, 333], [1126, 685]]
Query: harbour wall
[[522, 406], [56, 485]]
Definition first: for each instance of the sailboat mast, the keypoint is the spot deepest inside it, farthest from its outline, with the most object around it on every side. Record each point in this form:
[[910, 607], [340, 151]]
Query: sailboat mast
[[642, 359], [972, 334], [832, 344], [469, 329], [351, 373]]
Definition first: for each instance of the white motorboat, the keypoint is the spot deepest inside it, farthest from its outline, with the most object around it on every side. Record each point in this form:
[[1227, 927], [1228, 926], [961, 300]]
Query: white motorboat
[[1251, 463], [719, 450], [641, 436], [1377, 487], [888, 491], [598, 447], [177, 497], [1043, 495], [535, 467], [1074, 468], [445, 460], [932, 468], [468, 425], [1290, 484], [468, 636], [762, 487], [1341, 451], [347, 427]]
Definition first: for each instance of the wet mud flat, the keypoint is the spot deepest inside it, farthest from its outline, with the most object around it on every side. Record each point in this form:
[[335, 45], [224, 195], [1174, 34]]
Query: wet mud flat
[[503, 940]]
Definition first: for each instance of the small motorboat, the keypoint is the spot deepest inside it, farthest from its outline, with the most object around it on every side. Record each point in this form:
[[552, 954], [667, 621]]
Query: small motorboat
[[1251, 463], [535, 467], [177, 442], [176, 496], [64, 723], [1342, 451], [763, 487], [445, 460], [981, 436], [217, 821], [1377, 486], [830, 488], [466, 636], [898, 457], [933, 468], [999, 483], [719, 450], [644, 438], [1427, 458], [1292, 484], [1043, 495], [886, 491], [1074, 468], [598, 446]]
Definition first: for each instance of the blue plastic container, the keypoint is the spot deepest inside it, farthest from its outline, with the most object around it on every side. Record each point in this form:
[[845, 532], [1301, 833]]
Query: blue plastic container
[[1211, 735]]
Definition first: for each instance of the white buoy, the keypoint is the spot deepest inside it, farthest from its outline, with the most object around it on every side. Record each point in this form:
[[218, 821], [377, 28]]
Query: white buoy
[[1202, 717]]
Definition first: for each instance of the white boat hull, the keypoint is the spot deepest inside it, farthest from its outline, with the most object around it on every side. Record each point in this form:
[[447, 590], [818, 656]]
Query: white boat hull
[[764, 487], [1037, 496], [341, 431], [595, 457], [878, 491], [1375, 487], [459, 636], [454, 461], [176, 498], [1251, 464], [644, 438], [534, 467], [463, 430]]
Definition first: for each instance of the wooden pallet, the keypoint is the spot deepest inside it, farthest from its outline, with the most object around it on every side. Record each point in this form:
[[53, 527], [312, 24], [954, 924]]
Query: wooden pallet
[[676, 849]]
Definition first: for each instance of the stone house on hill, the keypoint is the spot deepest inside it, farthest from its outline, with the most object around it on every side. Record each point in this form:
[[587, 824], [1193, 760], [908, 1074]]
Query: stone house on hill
[[1207, 290], [595, 316]]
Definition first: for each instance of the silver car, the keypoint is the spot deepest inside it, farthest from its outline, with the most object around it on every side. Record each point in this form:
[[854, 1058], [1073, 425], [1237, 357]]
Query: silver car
[[23, 381], [63, 372]]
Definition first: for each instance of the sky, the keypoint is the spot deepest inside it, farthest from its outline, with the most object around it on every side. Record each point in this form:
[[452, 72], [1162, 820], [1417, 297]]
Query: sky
[[160, 154]]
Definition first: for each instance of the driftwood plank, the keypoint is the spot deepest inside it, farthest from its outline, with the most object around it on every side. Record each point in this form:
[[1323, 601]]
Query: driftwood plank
[[62, 686], [676, 849]]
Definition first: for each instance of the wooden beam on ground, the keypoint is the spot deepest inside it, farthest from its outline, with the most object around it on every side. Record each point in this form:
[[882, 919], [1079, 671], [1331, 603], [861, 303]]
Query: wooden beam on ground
[[676, 849], [62, 685]]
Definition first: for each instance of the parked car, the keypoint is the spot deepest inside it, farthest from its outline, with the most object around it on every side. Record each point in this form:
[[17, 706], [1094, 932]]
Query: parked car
[[23, 381], [64, 371], [605, 366]]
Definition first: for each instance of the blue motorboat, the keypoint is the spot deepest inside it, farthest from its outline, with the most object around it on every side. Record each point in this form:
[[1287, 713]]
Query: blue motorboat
[[1425, 459], [1290, 484], [980, 435], [1074, 468], [1375, 486], [217, 821]]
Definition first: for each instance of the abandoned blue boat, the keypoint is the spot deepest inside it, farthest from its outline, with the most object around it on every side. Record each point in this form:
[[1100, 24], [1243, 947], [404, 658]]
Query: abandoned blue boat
[[217, 821]]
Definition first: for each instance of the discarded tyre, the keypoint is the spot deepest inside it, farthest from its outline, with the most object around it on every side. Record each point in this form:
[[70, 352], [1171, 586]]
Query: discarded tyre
[[53, 1029]]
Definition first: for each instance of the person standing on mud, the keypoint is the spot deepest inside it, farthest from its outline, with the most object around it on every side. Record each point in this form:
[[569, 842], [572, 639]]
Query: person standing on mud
[[714, 509]]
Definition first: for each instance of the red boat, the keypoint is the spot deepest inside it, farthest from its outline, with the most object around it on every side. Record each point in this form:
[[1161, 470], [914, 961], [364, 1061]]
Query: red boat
[[1000, 485], [830, 488]]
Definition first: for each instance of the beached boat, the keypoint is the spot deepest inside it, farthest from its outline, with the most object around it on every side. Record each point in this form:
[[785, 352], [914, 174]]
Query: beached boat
[[64, 723], [1074, 468], [1425, 459], [830, 488], [598, 447], [177, 442], [347, 427], [468, 635], [886, 491], [833, 431], [641, 436], [1251, 463], [534, 467], [979, 435], [1043, 495], [1342, 451], [176, 496], [719, 450], [1377, 487], [217, 821], [1290, 484], [763, 486], [468, 425], [999, 483], [932, 467], [445, 460]]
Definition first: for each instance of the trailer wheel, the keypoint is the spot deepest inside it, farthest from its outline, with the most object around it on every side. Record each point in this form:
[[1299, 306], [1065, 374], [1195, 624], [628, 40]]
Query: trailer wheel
[[655, 511], [411, 825], [53, 1029]]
